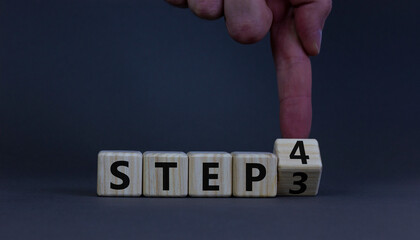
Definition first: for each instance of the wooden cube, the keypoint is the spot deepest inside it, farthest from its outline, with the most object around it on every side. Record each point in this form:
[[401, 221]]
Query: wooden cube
[[299, 167], [119, 173], [165, 174], [210, 174], [254, 174]]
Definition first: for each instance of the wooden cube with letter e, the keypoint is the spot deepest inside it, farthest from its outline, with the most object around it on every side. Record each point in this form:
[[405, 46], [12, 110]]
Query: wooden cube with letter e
[[254, 174], [299, 166], [210, 174], [119, 173]]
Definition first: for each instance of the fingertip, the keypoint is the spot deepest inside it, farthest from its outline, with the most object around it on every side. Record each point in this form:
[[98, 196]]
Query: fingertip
[[248, 31], [311, 42], [178, 3], [206, 9], [247, 21]]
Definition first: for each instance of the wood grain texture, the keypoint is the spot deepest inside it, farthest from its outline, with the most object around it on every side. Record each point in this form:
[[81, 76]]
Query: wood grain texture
[[153, 177], [267, 187], [133, 171], [220, 176], [295, 176]]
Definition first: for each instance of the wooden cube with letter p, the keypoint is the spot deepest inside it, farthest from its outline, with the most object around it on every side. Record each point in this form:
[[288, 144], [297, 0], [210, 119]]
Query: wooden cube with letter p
[[119, 173], [254, 174], [300, 166], [165, 174], [210, 174]]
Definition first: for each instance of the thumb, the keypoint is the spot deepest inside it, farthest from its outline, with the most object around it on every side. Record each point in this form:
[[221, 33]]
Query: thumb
[[310, 16]]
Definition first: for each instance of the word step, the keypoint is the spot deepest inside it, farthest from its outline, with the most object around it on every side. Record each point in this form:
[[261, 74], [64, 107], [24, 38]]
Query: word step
[[294, 168]]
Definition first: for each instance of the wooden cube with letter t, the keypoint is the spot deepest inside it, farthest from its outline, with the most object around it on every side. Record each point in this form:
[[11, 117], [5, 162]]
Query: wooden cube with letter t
[[165, 174], [210, 174], [254, 174], [119, 173], [299, 167]]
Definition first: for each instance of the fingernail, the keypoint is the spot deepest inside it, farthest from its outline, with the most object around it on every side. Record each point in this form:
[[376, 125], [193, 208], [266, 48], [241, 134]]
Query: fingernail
[[317, 44]]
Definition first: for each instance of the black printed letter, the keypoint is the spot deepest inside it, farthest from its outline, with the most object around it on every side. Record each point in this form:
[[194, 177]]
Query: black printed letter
[[125, 179], [250, 178], [207, 176], [166, 166]]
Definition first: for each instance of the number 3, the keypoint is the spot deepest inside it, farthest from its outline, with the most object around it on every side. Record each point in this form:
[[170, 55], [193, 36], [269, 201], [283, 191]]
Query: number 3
[[303, 178]]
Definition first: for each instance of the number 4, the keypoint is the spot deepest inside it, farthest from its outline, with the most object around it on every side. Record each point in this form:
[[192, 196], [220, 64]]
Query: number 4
[[302, 156]]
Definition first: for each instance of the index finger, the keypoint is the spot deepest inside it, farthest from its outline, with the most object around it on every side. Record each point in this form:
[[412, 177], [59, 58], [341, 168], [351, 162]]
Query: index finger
[[294, 76]]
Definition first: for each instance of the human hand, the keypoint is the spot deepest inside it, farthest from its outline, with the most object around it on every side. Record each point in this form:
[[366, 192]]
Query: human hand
[[296, 33]]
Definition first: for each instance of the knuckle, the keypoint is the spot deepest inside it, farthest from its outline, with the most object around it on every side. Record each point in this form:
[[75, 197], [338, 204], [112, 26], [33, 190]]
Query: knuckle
[[289, 61], [295, 59]]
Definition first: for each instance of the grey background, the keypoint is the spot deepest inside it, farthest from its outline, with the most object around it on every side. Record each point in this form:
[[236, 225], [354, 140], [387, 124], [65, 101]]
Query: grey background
[[79, 76]]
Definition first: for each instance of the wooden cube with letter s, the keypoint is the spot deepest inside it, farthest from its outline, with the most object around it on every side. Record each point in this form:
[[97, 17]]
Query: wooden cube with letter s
[[119, 173], [299, 166]]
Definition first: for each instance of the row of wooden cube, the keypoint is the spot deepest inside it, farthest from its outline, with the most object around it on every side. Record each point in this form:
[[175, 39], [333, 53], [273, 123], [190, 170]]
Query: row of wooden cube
[[294, 169]]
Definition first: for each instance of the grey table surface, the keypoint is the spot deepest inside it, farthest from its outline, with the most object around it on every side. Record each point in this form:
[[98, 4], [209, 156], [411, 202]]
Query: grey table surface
[[65, 206]]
